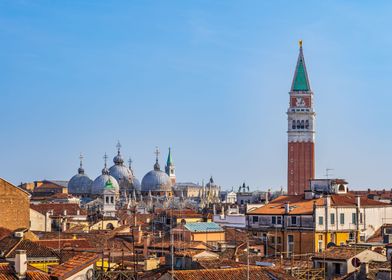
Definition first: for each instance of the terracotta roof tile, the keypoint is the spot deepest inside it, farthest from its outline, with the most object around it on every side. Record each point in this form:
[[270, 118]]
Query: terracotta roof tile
[[65, 243], [301, 206], [58, 208], [73, 265], [339, 253], [230, 274]]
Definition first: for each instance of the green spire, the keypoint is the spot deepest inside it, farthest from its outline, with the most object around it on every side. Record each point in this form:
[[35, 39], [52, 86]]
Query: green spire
[[109, 184], [301, 81], [169, 159]]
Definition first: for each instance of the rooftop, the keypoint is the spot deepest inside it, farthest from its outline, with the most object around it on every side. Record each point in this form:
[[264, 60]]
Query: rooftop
[[339, 253], [230, 274], [203, 227], [73, 265], [301, 206]]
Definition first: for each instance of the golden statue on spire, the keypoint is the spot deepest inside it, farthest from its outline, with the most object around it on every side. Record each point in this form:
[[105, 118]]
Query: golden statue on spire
[[300, 43]]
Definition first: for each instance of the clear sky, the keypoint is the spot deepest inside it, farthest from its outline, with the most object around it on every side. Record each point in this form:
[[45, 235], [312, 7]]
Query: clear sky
[[208, 78]]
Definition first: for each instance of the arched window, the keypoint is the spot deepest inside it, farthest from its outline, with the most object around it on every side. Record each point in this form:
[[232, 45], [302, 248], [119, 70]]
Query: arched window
[[293, 124], [112, 199], [107, 199], [302, 124], [307, 124], [298, 124]]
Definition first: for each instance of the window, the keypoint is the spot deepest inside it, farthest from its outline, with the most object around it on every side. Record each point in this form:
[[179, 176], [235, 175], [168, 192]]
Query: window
[[351, 235], [321, 220], [276, 220], [307, 124], [354, 218], [107, 199], [112, 199], [337, 268], [294, 220], [302, 124], [298, 124], [293, 124], [279, 239], [290, 238], [342, 218], [255, 219], [332, 218], [273, 239]]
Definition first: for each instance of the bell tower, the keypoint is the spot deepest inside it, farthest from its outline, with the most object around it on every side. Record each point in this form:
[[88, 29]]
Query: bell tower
[[301, 130], [170, 168]]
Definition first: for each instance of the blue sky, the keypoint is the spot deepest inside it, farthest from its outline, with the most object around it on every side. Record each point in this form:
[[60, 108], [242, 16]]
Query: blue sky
[[208, 78]]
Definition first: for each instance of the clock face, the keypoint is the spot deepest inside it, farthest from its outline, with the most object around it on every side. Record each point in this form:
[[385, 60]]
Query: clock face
[[300, 102]]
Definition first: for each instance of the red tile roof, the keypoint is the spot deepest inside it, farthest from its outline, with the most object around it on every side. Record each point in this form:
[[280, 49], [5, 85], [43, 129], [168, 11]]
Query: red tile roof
[[73, 265], [301, 206], [255, 273], [339, 253], [8, 273], [65, 243], [58, 208]]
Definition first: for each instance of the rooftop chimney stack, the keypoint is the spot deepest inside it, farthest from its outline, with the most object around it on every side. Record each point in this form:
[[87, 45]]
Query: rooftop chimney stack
[[358, 201], [21, 264], [287, 207]]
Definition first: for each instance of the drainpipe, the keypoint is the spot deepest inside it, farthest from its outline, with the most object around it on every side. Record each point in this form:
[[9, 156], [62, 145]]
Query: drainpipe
[[358, 204]]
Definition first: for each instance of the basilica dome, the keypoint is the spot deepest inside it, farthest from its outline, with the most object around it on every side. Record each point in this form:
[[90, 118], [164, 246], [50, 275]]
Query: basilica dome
[[123, 174], [156, 180], [99, 183], [80, 183]]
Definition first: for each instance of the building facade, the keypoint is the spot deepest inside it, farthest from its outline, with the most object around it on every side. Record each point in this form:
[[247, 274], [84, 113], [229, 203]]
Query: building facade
[[308, 223], [14, 206], [301, 130]]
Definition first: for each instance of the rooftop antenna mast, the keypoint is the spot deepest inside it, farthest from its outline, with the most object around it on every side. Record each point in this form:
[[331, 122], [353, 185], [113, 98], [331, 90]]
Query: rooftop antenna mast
[[327, 172]]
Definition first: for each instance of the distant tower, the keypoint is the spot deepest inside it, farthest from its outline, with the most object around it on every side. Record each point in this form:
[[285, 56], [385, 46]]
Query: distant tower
[[109, 201], [170, 168], [301, 130]]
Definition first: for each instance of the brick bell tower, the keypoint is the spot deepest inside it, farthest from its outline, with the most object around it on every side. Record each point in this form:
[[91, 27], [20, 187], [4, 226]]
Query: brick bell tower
[[301, 130]]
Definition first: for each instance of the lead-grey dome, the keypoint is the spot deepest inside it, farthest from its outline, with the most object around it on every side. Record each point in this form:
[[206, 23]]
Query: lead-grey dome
[[156, 180], [80, 183], [123, 174], [99, 183]]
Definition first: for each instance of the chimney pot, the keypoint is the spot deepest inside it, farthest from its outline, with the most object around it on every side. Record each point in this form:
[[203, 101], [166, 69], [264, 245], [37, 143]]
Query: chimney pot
[[21, 263]]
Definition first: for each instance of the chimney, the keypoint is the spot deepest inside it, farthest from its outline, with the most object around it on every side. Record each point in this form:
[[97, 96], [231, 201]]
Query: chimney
[[140, 234], [21, 264], [363, 271], [287, 207], [358, 201], [147, 241], [266, 197], [327, 201]]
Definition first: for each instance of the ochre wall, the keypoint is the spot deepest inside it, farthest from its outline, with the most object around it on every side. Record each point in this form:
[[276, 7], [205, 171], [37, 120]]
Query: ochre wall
[[14, 206]]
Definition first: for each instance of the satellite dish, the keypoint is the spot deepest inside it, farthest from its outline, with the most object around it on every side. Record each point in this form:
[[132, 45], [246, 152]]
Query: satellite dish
[[355, 262], [331, 244]]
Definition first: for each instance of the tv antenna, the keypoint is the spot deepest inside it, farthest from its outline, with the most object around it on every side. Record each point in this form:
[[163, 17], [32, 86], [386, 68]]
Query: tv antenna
[[327, 172]]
